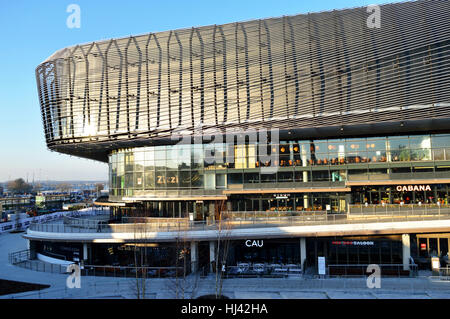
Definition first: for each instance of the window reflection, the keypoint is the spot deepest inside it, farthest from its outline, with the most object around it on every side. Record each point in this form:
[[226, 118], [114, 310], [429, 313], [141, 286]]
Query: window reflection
[[185, 166]]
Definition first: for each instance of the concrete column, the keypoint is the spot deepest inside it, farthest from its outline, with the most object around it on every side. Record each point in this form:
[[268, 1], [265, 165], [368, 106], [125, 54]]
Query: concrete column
[[212, 255], [194, 256], [406, 251], [85, 251], [302, 251], [305, 201]]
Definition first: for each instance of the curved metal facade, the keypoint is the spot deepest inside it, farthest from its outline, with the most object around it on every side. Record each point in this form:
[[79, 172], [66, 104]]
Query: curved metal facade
[[304, 73]]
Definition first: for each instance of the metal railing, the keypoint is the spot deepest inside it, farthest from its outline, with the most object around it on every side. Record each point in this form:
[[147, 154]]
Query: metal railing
[[392, 270], [444, 273], [41, 266], [17, 257], [262, 270], [232, 220], [101, 271], [133, 271], [406, 209]]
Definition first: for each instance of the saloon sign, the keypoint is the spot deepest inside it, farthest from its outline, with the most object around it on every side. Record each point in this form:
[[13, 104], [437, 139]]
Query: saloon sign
[[413, 188]]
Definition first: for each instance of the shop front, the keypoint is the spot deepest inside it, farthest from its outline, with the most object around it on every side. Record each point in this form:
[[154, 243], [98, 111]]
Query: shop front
[[401, 194], [289, 202]]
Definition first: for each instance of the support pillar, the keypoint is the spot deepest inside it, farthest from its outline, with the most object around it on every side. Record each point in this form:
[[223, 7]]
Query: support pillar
[[85, 251], [406, 251], [212, 256], [194, 256], [302, 252]]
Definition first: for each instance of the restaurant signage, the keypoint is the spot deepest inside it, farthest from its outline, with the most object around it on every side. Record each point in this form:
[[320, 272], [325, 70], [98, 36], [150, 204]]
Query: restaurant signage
[[353, 243], [254, 243], [413, 188]]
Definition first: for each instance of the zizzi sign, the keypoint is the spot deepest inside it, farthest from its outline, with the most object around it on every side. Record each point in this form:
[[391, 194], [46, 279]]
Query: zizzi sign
[[413, 188], [254, 243]]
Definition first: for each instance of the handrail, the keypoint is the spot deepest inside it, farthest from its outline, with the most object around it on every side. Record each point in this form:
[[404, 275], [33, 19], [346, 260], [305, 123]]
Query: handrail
[[250, 221]]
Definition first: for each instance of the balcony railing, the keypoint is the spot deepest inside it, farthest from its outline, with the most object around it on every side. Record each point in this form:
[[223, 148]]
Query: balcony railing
[[233, 220]]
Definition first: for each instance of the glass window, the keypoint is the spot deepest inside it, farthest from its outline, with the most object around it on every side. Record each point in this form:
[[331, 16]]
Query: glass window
[[160, 179], [439, 154], [209, 150], [252, 155], [240, 156], [172, 179], [268, 178], [284, 177], [196, 156], [298, 176], [139, 161], [120, 157], [185, 178], [336, 151], [403, 155], [234, 178], [251, 177], [321, 159], [149, 154], [129, 162], [320, 176], [355, 151], [336, 176], [160, 158], [149, 179], [376, 156], [376, 144], [196, 179], [398, 143], [138, 180], [221, 181], [420, 154], [296, 150], [421, 141], [128, 180], [440, 141], [210, 181]]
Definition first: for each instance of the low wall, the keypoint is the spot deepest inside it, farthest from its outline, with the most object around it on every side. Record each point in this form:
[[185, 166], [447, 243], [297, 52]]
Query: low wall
[[23, 223]]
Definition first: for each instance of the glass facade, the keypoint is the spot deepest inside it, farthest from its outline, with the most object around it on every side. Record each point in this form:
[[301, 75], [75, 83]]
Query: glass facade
[[211, 168]]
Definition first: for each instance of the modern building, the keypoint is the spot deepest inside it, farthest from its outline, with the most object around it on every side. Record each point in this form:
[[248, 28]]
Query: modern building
[[314, 135]]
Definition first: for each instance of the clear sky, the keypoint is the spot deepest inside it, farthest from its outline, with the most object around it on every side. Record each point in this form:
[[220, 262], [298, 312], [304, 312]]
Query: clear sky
[[33, 30]]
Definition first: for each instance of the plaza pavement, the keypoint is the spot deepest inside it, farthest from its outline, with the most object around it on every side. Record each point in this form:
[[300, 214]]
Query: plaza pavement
[[422, 287]]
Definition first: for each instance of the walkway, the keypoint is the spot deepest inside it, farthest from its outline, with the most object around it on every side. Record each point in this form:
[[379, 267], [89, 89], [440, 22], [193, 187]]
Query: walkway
[[251, 288]]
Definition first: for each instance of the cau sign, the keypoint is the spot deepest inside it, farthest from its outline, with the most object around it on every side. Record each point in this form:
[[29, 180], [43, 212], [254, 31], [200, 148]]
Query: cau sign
[[254, 243], [413, 188]]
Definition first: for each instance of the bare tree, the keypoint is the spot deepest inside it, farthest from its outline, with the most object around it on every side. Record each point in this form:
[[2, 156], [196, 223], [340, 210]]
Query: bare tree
[[140, 257], [19, 186], [64, 187], [224, 227], [185, 284]]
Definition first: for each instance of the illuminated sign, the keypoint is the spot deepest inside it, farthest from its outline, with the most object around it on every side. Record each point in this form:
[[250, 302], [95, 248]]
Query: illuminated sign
[[353, 243], [281, 196], [254, 243], [169, 180], [413, 188]]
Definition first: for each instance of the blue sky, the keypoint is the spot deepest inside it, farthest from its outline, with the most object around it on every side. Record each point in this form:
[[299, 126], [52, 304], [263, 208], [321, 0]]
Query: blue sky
[[32, 30]]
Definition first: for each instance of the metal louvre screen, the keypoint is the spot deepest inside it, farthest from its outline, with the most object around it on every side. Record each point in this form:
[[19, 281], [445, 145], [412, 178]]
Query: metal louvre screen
[[305, 71]]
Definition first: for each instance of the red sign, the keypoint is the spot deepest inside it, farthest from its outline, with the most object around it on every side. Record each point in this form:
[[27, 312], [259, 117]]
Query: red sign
[[423, 246]]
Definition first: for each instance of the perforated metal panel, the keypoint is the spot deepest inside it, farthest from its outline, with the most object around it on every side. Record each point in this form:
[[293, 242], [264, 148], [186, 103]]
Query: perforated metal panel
[[308, 71]]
